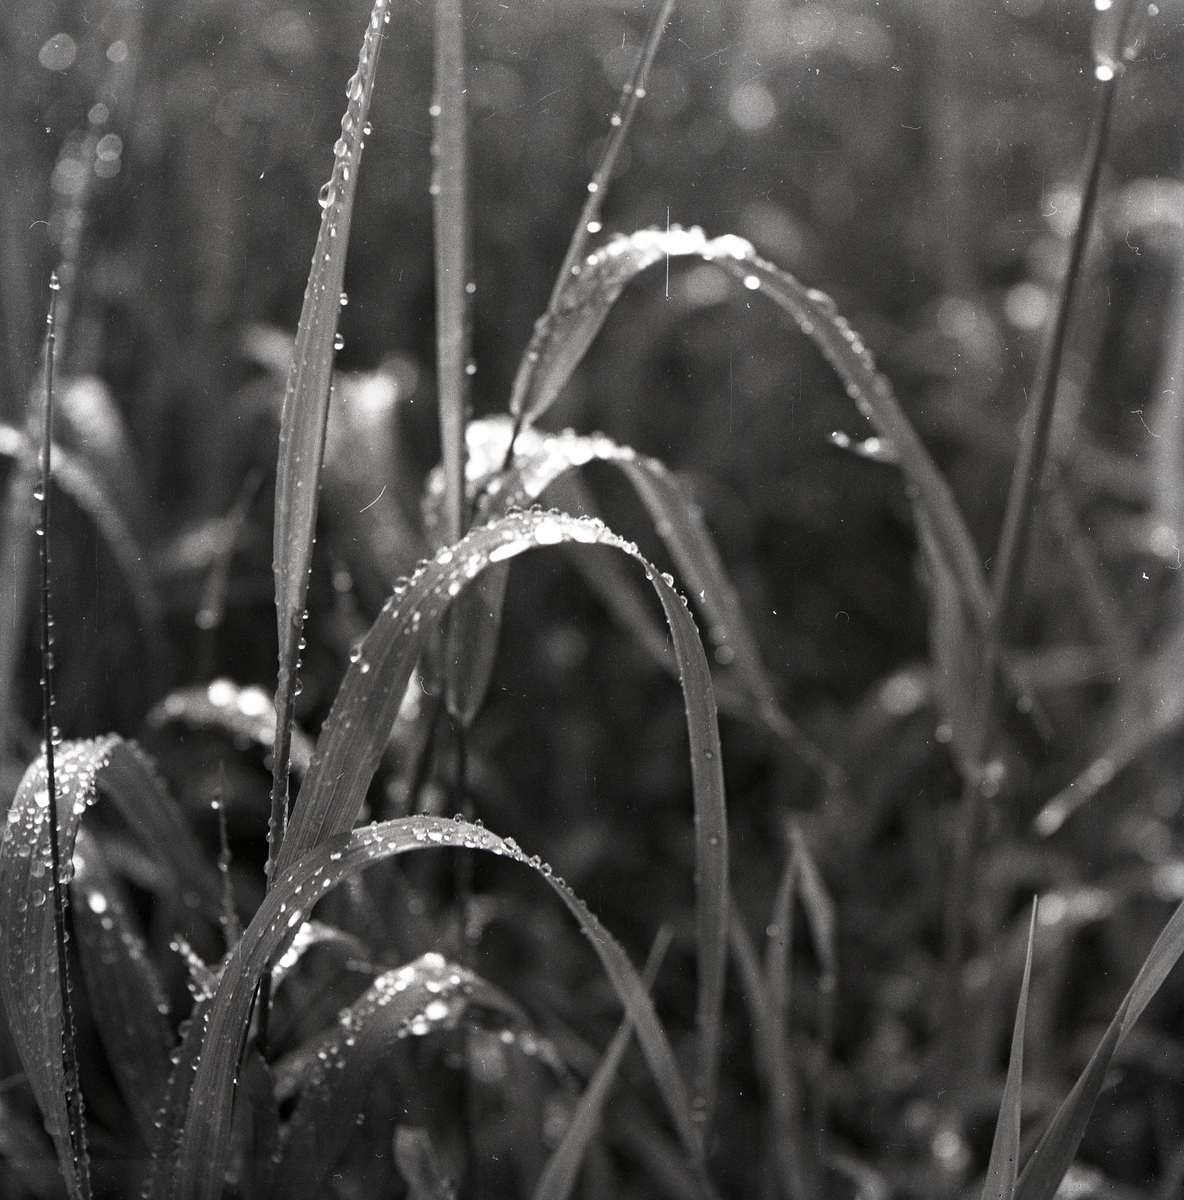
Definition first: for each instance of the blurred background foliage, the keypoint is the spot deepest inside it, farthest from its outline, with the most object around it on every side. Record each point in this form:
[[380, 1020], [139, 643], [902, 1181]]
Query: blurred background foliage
[[918, 159]]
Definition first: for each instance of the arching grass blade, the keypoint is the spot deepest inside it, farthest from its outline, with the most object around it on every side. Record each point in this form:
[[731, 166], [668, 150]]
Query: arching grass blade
[[360, 720], [197, 1170]]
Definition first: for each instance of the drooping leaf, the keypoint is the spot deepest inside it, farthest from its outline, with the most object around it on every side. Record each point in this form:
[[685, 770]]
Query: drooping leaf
[[29, 977], [1003, 1166], [420, 1166], [246, 714], [333, 1073], [355, 732], [125, 996], [306, 400], [471, 646], [559, 1175], [197, 1168]]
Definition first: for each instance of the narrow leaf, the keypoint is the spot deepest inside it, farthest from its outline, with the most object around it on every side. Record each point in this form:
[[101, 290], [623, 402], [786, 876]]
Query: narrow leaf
[[306, 403], [198, 1167], [29, 970], [820, 916], [1005, 1149], [360, 720]]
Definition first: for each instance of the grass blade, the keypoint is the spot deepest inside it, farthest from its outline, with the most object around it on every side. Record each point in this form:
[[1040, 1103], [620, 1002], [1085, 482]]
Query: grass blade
[[30, 971], [306, 406], [76, 1168], [333, 1074], [1005, 1148], [820, 916], [360, 720], [532, 393], [197, 1169], [559, 1175]]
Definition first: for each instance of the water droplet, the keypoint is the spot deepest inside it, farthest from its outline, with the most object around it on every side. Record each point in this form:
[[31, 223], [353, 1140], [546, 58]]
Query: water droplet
[[343, 299], [615, 120], [434, 110], [594, 226], [593, 186], [471, 368], [338, 342], [327, 194]]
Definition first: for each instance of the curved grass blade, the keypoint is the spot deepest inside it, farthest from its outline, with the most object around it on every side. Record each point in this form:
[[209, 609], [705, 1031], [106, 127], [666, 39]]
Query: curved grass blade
[[558, 342], [246, 714], [1005, 1148], [317, 933], [306, 406], [333, 1074], [559, 1175], [197, 1169], [30, 979], [170, 1120], [126, 999], [420, 1166], [363, 713]]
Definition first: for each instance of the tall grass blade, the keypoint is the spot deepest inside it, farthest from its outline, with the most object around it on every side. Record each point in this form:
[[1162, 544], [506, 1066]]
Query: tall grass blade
[[77, 1167], [124, 992], [779, 952], [532, 395], [451, 224], [560, 1173], [420, 1166], [30, 969], [1003, 1165], [198, 1167], [820, 916], [306, 406], [425, 996], [1113, 28], [355, 732]]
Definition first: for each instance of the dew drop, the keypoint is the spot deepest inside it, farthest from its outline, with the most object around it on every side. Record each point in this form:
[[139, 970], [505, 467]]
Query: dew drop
[[327, 194]]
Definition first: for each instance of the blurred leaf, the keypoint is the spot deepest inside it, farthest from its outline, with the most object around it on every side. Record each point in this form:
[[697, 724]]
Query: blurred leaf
[[125, 995], [419, 1165], [198, 1166], [333, 1072], [474, 627], [820, 914], [306, 402], [356, 730], [246, 714], [1005, 1148]]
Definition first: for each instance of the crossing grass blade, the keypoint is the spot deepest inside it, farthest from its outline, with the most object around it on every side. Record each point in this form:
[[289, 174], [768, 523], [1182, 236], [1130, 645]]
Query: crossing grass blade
[[196, 1170], [1053, 1155], [1003, 1165], [356, 730], [124, 994], [306, 405], [333, 1073], [559, 1175]]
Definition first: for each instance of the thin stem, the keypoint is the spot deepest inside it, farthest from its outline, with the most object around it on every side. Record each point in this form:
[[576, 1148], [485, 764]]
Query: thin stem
[[632, 95], [449, 210], [60, 892]]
